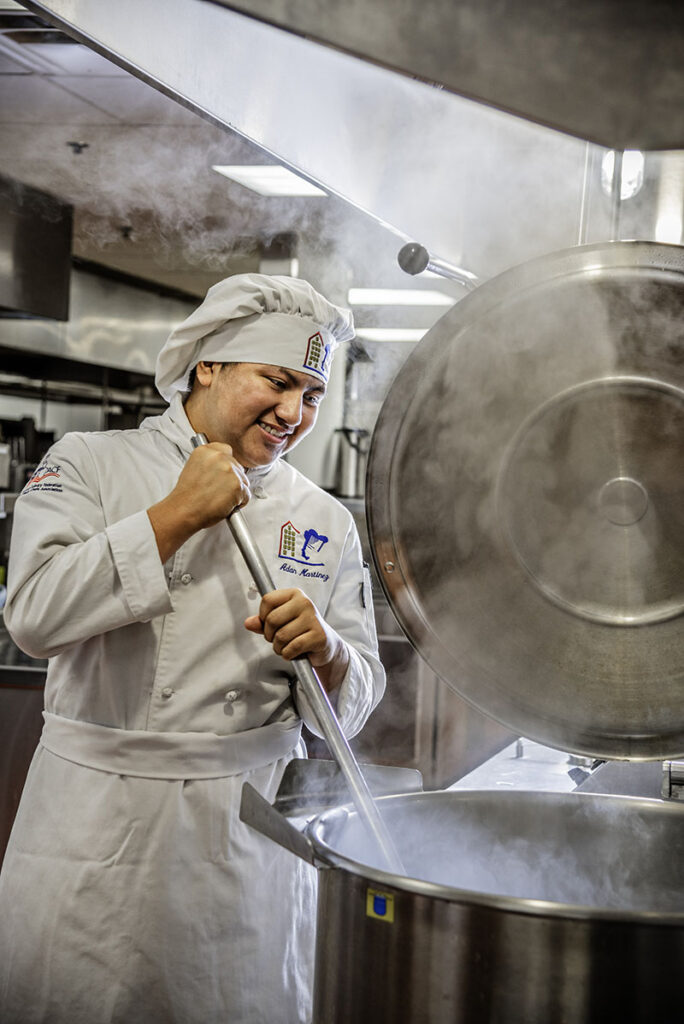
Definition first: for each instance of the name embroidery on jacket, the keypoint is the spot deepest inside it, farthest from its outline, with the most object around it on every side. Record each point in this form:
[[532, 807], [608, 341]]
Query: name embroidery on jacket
[[302, 547]]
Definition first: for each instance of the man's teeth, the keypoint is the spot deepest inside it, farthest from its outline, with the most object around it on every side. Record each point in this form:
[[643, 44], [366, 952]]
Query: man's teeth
[[280, 434]]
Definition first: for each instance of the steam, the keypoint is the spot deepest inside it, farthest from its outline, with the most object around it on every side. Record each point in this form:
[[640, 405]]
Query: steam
[[136, 190], [607, 853]]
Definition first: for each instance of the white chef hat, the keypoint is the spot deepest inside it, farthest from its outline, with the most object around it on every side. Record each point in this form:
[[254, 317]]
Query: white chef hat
[[253, 318]]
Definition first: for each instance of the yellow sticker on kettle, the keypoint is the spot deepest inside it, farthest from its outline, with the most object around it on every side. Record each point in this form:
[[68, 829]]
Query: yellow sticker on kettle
[[380, 905]]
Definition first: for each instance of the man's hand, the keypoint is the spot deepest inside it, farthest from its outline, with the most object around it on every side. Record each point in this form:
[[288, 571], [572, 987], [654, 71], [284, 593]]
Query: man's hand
[[211, 486], [292, 624]]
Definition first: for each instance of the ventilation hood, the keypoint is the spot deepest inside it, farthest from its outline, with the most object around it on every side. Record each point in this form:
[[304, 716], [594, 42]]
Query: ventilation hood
[[610, 72], [372, 116]]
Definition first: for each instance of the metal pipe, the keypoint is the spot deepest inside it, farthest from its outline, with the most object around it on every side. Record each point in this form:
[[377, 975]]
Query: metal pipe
[[584, 199], [318, 698], [414, 258], [616, 196]]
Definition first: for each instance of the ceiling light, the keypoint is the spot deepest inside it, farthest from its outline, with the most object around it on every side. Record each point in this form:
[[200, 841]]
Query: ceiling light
[[269, 180], [390, 333], [398, 297]]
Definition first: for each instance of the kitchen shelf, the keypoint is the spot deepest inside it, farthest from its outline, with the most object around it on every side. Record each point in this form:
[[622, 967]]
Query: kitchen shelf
[[23, 675]]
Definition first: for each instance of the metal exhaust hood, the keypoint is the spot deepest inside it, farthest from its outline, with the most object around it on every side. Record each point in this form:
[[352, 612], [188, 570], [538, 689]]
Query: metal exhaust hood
[[410, 154], [606, 71]]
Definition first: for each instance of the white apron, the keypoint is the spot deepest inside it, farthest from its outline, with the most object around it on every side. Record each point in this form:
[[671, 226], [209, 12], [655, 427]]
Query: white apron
[[178, 914]]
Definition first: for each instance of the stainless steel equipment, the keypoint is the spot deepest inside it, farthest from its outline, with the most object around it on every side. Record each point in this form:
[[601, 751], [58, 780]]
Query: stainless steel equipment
[[605, 71], [526, 499], [310, 785], [258, 83], [413, 258], [351, 461], [525, 509], [542, 908]]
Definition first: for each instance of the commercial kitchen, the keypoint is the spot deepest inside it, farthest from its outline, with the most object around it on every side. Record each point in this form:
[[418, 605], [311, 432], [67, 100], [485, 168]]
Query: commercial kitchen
[[495, 188]]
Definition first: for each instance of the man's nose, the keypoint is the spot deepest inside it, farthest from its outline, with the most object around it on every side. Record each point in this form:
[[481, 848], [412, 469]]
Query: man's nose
[[289, 408]]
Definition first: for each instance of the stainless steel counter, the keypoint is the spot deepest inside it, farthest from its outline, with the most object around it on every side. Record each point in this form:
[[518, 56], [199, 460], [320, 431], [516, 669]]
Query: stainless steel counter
[[523, 764], [526, 764]]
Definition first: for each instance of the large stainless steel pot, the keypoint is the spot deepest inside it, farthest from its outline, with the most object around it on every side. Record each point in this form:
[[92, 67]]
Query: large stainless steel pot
[[517, 908], [525, 495]]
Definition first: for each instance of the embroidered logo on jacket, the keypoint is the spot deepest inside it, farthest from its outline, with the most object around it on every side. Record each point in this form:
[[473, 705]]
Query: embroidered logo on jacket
[[304, 548], [45, 478], [317, 356]]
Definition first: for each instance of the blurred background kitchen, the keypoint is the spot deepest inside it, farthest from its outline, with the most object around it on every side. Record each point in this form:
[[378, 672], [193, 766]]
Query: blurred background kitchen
[[315, 143]]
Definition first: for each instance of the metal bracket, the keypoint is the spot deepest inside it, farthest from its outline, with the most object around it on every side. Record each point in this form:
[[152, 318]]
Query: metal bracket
[[672, 786]]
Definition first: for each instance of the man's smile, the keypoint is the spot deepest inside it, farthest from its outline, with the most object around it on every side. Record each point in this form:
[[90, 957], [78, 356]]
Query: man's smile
[[275, 432]]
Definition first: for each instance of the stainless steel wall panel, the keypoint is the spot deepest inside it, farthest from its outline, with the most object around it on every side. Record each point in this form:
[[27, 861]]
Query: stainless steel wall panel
[[111, 324]]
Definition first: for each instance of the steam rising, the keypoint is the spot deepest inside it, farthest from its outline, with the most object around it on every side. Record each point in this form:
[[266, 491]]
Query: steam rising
[[609, 853]]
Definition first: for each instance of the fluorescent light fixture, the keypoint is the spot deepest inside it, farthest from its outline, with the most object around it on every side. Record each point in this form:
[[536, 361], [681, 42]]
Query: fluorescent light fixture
[[390, 333], [269, 180], [397, 297]]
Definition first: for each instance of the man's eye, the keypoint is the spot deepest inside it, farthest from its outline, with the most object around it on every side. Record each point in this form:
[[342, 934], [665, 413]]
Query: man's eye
[[278, 383], [313, 399]]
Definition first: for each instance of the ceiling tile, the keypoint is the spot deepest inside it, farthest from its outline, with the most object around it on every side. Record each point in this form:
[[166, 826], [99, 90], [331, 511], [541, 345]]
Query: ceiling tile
[[36, 100]]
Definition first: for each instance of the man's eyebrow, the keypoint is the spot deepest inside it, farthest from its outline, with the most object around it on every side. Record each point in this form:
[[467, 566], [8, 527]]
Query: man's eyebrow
[[293, 380]]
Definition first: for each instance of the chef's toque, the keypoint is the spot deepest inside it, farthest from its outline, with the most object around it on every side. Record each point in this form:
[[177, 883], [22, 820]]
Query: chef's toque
[[253, 318]]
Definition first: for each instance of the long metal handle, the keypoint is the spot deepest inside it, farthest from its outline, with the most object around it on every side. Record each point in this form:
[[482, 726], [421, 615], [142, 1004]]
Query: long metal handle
[[318, 699], [414, 258]]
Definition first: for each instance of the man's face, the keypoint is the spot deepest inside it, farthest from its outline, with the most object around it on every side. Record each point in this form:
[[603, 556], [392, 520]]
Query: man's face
[[261, 411]]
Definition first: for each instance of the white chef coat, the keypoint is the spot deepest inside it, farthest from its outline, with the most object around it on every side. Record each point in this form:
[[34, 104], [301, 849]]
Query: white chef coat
[[131, 892]]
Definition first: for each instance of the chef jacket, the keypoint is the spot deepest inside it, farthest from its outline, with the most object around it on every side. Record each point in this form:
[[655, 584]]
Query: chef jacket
[[158, 704]]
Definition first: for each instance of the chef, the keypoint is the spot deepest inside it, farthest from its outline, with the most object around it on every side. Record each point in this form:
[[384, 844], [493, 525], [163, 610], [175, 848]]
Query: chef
[[131, 891]]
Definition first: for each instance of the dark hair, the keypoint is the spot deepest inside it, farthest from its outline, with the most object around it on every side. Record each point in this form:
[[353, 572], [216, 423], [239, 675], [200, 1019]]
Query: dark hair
[[193, 374]]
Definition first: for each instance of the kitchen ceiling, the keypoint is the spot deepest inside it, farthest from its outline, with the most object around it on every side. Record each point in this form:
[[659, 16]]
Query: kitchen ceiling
[[137, 168]]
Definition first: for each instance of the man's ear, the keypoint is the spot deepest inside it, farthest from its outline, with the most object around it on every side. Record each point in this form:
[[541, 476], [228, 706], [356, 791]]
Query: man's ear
[[204, 373]]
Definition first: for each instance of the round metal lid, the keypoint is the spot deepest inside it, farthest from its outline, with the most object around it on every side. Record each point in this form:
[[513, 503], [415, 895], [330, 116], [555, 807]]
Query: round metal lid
[[526, 499]]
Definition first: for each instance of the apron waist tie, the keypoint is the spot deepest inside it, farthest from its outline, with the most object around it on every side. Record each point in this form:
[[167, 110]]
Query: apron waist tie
[[167, 755]]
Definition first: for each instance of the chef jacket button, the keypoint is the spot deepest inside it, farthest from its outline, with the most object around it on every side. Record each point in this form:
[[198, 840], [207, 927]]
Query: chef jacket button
[[186, 578], [232, 696], [167, 692], [252, 592], [258, 491]]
